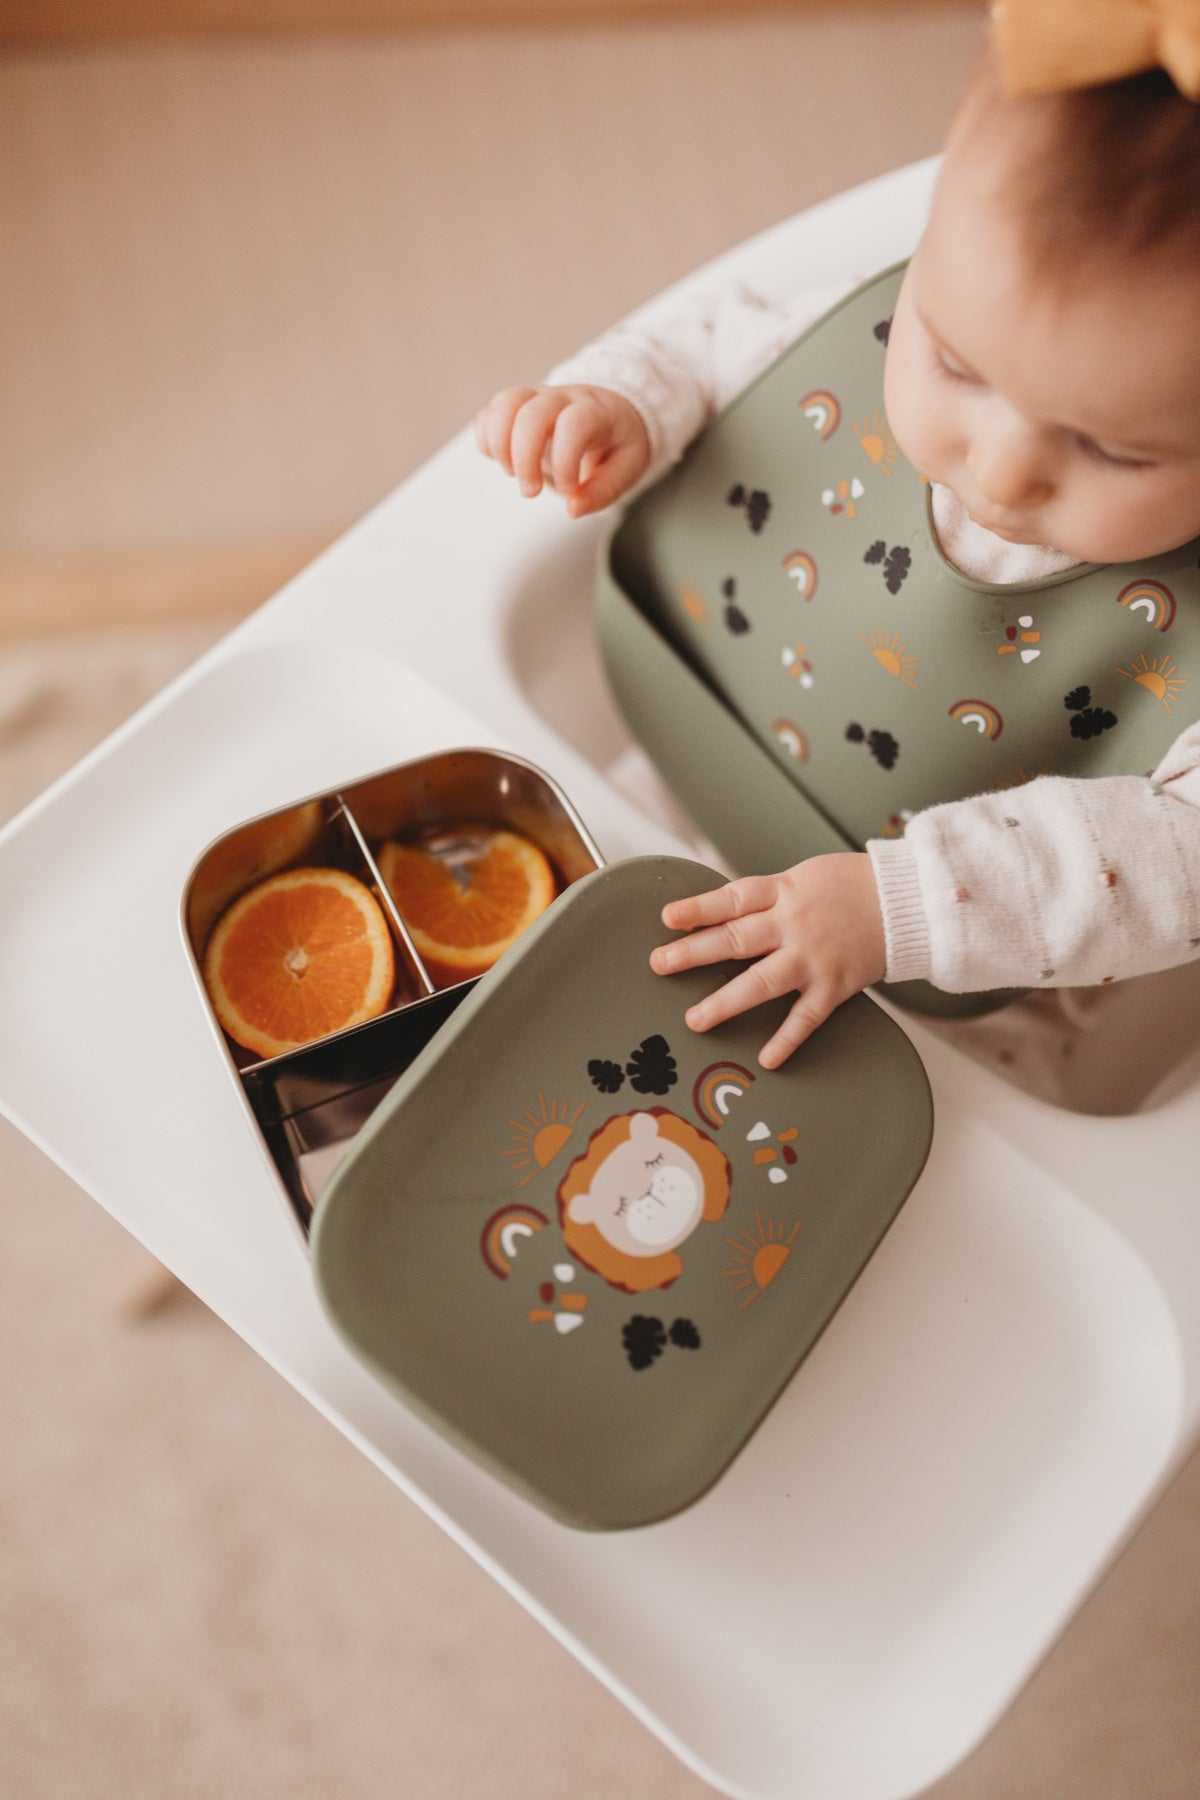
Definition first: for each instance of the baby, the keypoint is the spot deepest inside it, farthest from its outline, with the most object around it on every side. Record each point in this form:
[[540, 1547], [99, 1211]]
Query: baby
[[1042, 372]]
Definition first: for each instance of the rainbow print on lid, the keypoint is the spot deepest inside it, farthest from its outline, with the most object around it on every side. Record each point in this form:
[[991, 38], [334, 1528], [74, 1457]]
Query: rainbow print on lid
[[504, 1234], [717, 1088]]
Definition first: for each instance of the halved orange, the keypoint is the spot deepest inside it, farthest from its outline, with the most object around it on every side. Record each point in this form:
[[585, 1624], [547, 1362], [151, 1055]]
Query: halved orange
[[246, 856], [461, 927], [303, 954]]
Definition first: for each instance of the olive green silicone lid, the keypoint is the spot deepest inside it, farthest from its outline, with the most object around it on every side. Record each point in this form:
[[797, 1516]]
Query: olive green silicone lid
[[590, 1245]]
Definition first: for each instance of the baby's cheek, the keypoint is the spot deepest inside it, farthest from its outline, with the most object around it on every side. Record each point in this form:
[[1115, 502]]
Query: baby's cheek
[[913, 412], [1124, 518]]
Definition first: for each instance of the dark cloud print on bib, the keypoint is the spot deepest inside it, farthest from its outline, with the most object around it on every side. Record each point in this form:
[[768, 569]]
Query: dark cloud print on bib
[[881, 744], [735, 619], [756, 501], [1087, 721], [896, 563]]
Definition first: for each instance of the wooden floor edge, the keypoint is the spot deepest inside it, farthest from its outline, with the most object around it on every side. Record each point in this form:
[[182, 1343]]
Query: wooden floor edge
[[169, 584], [46, 24]]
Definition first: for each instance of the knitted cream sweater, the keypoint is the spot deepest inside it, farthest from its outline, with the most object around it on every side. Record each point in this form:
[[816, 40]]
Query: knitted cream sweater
[[1000, 890]]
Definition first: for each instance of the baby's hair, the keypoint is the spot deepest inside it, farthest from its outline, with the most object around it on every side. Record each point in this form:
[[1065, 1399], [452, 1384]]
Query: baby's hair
[[1114, 168]]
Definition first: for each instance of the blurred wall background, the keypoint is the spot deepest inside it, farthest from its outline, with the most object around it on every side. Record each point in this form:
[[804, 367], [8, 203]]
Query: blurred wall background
[[254, 280], [251, 280]]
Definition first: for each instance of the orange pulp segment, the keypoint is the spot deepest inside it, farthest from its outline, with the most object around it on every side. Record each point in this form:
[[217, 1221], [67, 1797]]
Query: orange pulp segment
[[301, 955], [246, 856], [460, 929]]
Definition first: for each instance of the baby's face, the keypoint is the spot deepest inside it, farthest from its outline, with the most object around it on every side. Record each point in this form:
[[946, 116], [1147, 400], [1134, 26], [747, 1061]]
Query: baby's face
[[1065, 416]]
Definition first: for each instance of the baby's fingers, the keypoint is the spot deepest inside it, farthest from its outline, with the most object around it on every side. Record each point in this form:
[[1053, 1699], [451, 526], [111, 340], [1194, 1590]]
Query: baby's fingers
[[811, 1009], [493, 426], [765, 980], [752, 893], [610, 479], [531, 431], [582, 433], [752, 936]]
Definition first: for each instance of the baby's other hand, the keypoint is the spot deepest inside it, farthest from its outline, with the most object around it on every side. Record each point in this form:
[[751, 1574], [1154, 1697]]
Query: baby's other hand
[[817, 927], [589, 444]]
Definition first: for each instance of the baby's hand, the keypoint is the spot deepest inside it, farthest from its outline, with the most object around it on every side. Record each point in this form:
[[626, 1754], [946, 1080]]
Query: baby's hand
[[588, 443], [816, 927]]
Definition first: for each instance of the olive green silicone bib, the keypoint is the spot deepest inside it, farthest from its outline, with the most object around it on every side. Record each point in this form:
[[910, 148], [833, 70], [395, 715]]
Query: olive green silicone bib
[[790, 560]]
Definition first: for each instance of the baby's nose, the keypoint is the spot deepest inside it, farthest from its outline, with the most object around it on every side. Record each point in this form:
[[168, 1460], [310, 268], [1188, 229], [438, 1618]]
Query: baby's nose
[[1011, 470]]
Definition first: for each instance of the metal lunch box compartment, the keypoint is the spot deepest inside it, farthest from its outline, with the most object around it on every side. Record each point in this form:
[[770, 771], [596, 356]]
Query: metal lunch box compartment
[[309, 1103]]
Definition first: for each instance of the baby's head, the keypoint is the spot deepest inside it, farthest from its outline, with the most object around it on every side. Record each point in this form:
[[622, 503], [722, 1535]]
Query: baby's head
[[1044, 357]]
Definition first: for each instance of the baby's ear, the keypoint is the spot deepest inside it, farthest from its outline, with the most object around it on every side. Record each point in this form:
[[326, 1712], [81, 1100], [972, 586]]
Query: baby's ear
[[643, 1128], [581, 1208]]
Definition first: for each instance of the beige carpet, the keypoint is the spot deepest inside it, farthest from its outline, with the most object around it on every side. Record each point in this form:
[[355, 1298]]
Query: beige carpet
[[247, 288]]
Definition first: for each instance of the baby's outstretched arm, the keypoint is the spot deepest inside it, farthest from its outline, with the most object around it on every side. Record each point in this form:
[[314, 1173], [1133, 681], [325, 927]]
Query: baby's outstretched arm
[[815, 928], [626, 406], [1059, 883]]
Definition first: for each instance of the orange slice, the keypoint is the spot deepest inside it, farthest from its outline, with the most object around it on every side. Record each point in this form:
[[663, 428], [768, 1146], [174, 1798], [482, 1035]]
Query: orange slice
[[460, 929], [245, 856], [300, 956]]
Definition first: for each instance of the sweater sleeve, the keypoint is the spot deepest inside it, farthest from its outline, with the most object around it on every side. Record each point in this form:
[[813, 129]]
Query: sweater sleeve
[[1060, 883], [681, 366]]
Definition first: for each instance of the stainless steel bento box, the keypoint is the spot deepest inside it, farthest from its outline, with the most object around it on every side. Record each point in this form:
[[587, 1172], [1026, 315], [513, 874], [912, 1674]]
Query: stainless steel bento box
[[309, 1103]]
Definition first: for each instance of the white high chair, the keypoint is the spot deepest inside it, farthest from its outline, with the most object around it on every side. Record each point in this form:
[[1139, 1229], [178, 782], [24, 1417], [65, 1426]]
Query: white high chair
[[1009, 1386]]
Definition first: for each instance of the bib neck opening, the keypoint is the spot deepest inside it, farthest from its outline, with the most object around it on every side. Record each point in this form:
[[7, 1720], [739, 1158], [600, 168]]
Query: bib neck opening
[[1035, 585]]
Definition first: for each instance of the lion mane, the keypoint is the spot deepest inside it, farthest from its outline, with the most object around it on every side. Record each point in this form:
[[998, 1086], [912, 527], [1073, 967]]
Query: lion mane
[[588, 1244]]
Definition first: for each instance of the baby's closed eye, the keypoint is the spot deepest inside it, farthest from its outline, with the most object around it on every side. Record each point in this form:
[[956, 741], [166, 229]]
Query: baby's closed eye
[[1116, 459]]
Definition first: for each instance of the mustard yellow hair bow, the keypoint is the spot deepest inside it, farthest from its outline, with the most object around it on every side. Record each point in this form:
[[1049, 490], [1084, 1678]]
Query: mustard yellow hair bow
[[1045, 45]]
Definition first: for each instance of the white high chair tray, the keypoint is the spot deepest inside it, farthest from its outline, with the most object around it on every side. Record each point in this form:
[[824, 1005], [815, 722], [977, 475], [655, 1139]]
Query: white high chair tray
[[1004, 1393]]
